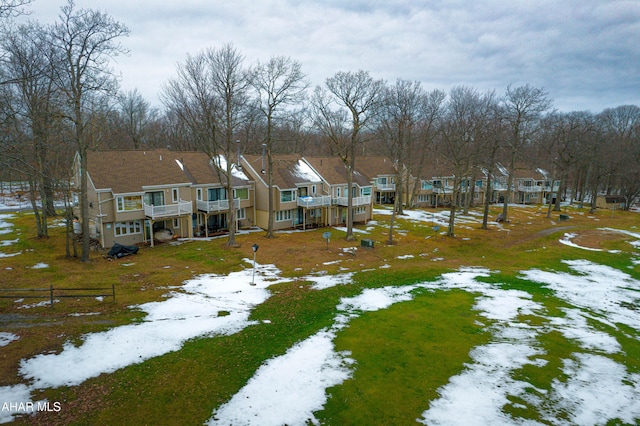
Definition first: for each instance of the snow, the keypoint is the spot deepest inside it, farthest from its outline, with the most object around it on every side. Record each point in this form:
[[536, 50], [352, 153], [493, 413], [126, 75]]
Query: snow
[[289, 388], [305, 173], [594, 387], [221, 162], [6, 338], [40, 265], [326, 281]]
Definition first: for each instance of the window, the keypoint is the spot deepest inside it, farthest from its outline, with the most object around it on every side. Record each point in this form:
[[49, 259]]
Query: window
[[282, 215], [176, 223], [241, 214], [128, 228], [154, 198], [360, 210], [216, 194], [313, 190], [382, 180], [199, 194], [365, 191], [241, 193], [175, 195], [129, 203], [286, 196]]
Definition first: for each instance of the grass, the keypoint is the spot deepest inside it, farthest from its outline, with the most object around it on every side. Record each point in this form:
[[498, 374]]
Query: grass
[[403, 353]]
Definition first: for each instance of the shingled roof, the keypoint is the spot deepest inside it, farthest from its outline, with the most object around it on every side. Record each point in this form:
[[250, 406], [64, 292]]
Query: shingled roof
[[373, 166], [288, 170], [333, 170], [129, 171]]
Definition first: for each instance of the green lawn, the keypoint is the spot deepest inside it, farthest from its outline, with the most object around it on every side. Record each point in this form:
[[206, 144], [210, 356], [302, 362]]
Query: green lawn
[[403, 354]]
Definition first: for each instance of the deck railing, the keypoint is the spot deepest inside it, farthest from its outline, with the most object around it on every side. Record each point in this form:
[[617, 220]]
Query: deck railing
[[168, 210], [356, 201], [311, 202], [216, 206]]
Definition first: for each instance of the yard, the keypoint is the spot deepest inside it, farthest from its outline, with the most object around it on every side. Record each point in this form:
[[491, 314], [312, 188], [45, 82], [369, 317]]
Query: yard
[[533, 320]]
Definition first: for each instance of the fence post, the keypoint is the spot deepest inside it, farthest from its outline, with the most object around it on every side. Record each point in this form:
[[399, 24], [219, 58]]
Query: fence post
[[51, 294], [113, 288]]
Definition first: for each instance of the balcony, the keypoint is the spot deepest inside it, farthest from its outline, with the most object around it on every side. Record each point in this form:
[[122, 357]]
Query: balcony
[[386, 187], [356, 201], [168, 210], [216, 206], [530, 189], [442, 190], [312, 202]]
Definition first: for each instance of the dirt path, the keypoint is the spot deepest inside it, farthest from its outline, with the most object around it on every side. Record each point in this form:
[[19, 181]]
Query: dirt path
[[539, 234]]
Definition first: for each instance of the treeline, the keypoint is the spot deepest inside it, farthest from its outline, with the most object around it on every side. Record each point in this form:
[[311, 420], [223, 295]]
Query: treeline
[[60, 97]]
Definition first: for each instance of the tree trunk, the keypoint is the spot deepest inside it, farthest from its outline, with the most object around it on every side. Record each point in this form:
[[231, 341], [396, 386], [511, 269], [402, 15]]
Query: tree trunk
[[487, 202]]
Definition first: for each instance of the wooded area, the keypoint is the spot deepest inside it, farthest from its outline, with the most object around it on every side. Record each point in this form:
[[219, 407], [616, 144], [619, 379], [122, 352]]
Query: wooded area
[[60, 97]]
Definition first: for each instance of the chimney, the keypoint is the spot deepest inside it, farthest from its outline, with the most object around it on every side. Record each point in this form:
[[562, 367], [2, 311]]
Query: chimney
[[239, 165], [264, 153]]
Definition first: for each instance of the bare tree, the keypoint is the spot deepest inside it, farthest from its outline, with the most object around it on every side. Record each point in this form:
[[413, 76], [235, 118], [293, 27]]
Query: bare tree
[[356, 95], [492, 140], [467, 116], [11, 8], [135, 114], [32, 102], [621, 126], [429, 126], [210, 97], [399, 118], [523, 109], [84, 41], [278, 83]]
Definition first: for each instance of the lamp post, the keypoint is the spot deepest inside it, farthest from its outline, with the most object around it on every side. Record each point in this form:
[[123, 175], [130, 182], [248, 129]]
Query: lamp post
[[253, 277]]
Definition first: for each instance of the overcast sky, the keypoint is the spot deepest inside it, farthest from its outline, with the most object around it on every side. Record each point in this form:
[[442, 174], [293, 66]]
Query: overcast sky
[[585, 53]]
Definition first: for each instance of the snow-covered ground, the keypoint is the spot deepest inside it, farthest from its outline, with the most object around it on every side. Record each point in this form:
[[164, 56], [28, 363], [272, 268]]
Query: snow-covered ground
[[594, 387], [290, 388]]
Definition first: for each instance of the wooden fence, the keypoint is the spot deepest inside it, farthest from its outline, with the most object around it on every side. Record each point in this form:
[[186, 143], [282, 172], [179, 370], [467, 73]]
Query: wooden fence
[[52, 293]]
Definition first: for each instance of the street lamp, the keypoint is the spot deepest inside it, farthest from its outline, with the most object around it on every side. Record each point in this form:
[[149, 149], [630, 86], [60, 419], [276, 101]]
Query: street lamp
[[253, 277]]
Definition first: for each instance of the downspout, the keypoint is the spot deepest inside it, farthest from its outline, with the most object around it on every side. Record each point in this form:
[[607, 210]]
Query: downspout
[[254, 205]]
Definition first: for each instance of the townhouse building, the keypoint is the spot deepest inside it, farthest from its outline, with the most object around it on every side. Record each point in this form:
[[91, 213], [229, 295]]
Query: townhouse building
[[136, 195], [383, 173], [335, 184], [299, 195], [133, 195]]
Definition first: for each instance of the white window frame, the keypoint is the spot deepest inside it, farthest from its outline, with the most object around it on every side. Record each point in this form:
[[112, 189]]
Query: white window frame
[[235, 193], [199, 194], [121, 205], [284, 215], [293, 196], [241, 213], [131, 227], [175, 194]]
